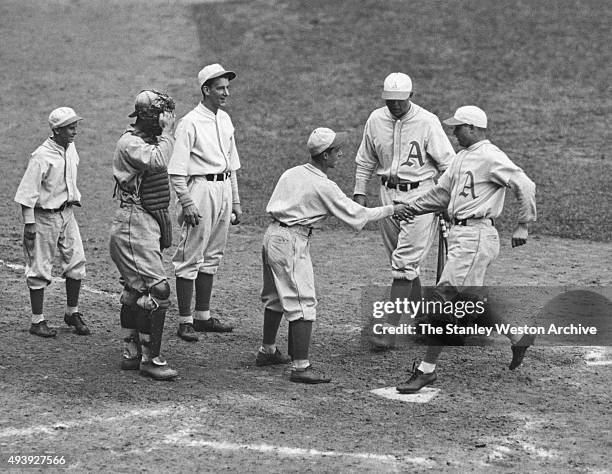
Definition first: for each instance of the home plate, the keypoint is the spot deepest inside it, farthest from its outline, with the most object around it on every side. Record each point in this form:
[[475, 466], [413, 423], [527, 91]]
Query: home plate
[[422, 396]]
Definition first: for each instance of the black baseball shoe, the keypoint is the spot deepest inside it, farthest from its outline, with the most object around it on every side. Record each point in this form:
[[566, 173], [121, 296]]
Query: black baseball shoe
[[41, 329], [308, 375], [211, 325], [187, 333], [278, 358], [519, 349], [76, 320], [417, 381], [157, 371]]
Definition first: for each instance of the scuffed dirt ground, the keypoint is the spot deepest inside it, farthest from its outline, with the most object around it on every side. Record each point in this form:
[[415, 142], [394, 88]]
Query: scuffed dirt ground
[[67, 395]]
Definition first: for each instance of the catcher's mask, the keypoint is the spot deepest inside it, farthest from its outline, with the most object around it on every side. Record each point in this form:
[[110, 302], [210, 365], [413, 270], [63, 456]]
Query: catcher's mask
[[151, 103]]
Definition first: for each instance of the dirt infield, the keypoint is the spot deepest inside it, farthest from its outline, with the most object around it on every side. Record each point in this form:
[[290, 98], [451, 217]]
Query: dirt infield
[[67, 397]]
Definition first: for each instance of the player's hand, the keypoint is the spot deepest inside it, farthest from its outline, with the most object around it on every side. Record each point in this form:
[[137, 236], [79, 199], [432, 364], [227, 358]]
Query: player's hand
[[519, 236], [191, 215], [402, 212], [29, 231], [237, 212], [361, 199], [166, 121]]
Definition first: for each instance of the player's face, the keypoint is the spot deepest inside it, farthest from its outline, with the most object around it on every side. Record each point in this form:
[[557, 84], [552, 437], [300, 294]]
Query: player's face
[[66, 135], [463, 134], [218, 92], [398, 108], [333, 155]]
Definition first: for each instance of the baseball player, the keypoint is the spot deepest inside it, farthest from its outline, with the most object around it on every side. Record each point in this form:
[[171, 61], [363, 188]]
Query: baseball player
[[405, 146], [48, 193], [302, 199], [203, 173], [472, 191], [141, 230]]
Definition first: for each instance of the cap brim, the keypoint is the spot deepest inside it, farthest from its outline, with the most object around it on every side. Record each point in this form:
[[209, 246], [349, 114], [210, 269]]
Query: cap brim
[[339, 140], [133, 114], [69, 121], [395, 95], [452, 121], [229, 74]]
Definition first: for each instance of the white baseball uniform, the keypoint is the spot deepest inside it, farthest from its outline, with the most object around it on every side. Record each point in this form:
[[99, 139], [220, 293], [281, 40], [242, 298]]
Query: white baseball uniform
[[406, 154], [302, 199], [473, 190], [48, 191], [202, 172], [134, 241]]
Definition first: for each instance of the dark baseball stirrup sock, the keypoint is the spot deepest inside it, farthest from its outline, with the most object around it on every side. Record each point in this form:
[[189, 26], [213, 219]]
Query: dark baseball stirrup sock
[[272, 320], [158, 318], [73, 289], [301, 333], [37, 298], [400, 289], [184, 295], [203, 291]]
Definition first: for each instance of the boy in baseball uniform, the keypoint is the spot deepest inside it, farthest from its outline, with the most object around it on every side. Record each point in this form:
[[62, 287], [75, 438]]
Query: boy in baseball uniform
[[202, 172], [140, 231], [48, 193], [302, 199], [405, 146], [472, 191]]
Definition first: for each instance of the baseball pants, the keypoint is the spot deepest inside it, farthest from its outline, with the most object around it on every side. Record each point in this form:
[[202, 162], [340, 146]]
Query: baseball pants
[[201, 248], [134, 247], [55, 232], [407, 243], [288, 277]]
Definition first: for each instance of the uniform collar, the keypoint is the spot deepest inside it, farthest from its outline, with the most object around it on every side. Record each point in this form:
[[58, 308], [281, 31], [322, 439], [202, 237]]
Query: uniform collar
[[201, 108], [310, 167], [54, 146], [414, 108], [478, 145]]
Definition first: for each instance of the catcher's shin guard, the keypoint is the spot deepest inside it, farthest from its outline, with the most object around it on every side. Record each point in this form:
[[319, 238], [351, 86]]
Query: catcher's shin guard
[[128, 317], [158, 319]]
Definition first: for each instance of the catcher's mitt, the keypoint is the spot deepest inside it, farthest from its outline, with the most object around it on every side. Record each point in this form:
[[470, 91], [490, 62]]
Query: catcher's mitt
[[155, 198]]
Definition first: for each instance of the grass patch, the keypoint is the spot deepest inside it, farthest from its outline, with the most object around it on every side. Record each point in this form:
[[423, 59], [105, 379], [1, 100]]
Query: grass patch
[[540, 69]]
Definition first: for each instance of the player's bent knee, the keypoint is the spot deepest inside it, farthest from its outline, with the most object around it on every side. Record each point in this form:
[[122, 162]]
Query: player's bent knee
[[161, 294]]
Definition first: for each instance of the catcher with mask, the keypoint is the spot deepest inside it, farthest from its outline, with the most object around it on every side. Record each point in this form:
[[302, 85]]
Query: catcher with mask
[[141, 230]]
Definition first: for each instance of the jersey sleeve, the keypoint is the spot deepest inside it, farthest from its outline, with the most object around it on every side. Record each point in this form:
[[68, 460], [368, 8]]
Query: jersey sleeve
[[436, 198], [184, 140], [439, 147], [28, 191], [505, 173], [366, 159], [348, 211], [146, 156]]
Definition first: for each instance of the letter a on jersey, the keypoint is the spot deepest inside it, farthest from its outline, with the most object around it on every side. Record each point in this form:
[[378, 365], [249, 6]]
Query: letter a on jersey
[[415, 152], [469, 184]]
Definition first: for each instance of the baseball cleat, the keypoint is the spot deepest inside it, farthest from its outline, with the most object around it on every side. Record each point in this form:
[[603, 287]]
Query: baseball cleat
[[41, 329], [519, 349], [157, 372], [278, 358], [211, 325], [308, 375], [187, 333], [76, 320], [417, 381]]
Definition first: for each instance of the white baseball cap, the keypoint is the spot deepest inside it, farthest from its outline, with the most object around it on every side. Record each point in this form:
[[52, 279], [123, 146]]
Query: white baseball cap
[[323, 138], [469, 115], [213, 71], [62, 116], [397, 86]]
